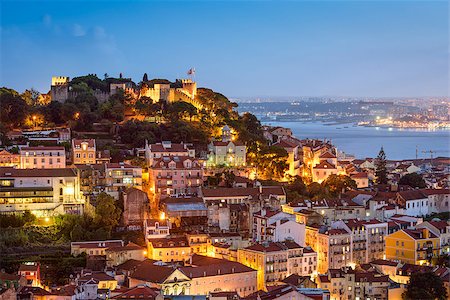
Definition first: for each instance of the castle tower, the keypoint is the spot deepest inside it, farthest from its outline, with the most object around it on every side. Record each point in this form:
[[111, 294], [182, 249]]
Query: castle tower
[[59, 90]]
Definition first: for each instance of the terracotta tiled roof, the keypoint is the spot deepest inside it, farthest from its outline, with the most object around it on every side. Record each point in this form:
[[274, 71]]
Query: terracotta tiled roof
[[336, 232], [43, 148], [129, 247], [360, 175], [327, 154], [12, 172], [441, 225], [150, 272], [325, 165], [429, 192], [170, 242], [274, 246], [78, 142], [285, 144], [412, 195], [163, 162], [139, 292], [172, 148], [203, 265], [417, 234]]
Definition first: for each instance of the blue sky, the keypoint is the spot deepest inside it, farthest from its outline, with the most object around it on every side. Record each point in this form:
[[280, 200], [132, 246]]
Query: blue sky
[[252, 48]]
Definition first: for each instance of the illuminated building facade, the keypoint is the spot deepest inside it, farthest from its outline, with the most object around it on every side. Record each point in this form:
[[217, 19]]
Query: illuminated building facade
[[44, 192], [276, 261], [42, 157], [227, 152], [121, 176], [84, 151], [412, 246]]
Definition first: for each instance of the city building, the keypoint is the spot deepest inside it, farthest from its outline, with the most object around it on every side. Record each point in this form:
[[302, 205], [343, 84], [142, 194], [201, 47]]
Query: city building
[[169, 249], [367, 239], [49, 157], [333, 249], [351, 284], [119, 254], [84, 151], [275, 261], [176, 176], [277, 226], [156, 229], [94, 247], [8, 159], [293, 158], [239, 204], [440, 229], [136, 207], [44, 192], [412, 246], [226, 152], [167, 148], [31, 272], [121, 176]]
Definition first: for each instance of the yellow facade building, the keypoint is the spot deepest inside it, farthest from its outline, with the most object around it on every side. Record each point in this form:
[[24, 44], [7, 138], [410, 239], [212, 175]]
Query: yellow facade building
[[412, 246]]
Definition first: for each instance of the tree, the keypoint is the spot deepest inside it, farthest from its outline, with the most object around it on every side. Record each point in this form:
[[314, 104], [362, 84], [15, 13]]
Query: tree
[[413, 180], [380, 165], [145, 78], [296, 184], [31, 97], [337, 184], [425, 286], [229, 178], [13, 108], [107, 214], [316, 191]]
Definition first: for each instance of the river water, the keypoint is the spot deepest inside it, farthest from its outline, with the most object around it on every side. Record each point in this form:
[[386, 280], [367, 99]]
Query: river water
[[366, 141]]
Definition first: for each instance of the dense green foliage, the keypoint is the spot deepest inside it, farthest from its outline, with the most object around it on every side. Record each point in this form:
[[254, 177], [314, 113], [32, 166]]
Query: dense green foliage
[[425, 286], [413, 180], [331, 188]]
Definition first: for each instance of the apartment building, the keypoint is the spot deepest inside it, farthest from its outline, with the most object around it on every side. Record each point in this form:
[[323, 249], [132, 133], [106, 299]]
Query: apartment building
[[275, 261], [354, 285], [44, 192], [8, 159], [167, 148], [176, 175], [51, 157], [84, 151], [120, 176], [333, 249], [367, 238], [413, 246], [277, 226], [440, 229]]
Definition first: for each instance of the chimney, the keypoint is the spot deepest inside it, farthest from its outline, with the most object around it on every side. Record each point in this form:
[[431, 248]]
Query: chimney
[[263, 212]]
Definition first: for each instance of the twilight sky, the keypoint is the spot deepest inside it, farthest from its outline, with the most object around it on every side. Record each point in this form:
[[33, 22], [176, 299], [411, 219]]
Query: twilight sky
[[251, 48]]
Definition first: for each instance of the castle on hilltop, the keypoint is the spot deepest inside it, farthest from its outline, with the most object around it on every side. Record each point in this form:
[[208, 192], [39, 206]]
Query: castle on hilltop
[[156, 89]]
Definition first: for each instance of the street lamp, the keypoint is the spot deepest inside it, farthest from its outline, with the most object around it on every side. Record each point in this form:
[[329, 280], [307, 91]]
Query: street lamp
[[34, 121]]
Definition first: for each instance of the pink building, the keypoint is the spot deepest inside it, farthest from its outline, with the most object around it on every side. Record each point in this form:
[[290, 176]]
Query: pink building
[[176, 175], [42, 157]]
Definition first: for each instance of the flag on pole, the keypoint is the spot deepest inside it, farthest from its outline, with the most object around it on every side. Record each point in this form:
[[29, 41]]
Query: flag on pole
[[191, 71]]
